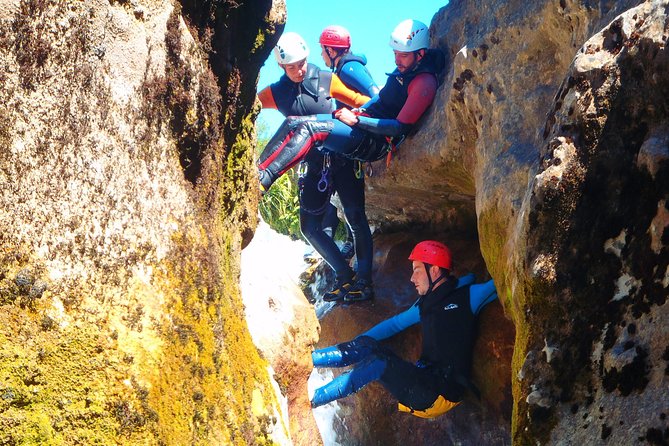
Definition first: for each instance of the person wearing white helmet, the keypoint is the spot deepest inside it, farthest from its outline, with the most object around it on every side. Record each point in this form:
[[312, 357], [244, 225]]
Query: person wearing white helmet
[[365, 134], [290, 48], [302, 92], [291, 54]]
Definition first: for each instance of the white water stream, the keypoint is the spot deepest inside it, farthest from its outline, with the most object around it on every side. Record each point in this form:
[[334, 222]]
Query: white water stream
[[271, 266]]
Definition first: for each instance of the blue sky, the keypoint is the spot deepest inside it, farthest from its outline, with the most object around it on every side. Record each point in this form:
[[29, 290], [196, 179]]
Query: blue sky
[[370, 23]]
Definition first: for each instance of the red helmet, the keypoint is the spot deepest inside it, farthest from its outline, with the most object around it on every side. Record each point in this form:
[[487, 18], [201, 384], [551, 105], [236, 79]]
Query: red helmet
[[433, 253], [335, 36]]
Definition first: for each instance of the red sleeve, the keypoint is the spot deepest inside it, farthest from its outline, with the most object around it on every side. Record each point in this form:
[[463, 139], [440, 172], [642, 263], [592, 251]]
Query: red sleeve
[[421, 90], [267, 98]]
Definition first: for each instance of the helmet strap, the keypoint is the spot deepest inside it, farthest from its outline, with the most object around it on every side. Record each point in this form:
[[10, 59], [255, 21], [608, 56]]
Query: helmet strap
[[431, 282], [338, 53], [418, 59]]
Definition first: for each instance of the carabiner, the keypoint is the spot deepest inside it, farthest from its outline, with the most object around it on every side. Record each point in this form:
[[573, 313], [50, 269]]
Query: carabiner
[[369, 170], [302, 169], [359, 174], [323, 182]]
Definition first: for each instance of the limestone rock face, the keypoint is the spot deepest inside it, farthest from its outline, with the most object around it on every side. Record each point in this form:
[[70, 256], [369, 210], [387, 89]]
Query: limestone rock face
[[549, 134], [125, 135], [597, 260]]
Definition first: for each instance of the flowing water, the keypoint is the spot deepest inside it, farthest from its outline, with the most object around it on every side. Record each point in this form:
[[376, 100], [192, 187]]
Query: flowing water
[[271, 266]]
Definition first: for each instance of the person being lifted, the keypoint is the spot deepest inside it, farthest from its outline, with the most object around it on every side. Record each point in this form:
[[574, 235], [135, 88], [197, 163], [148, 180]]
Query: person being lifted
[[447, 310], [303, 91], [363, 134]]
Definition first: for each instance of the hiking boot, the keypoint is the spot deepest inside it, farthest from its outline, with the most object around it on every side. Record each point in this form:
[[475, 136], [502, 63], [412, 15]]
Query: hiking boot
[[361, 290], [266, 181], [347, 250], [339, 291]]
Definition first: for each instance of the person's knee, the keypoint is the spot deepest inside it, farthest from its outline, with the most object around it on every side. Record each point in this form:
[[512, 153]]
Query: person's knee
[[309, 227], [361, 344], [356, 218], [293, 121]]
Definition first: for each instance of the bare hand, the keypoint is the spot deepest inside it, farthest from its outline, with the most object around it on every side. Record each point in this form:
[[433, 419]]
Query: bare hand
[[346, 116]]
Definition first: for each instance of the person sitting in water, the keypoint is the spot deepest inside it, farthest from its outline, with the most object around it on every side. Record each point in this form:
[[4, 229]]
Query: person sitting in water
[[447, 310]]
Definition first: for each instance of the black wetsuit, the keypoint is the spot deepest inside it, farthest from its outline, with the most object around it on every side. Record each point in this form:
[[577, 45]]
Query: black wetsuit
[[448, 318], [317, 186]]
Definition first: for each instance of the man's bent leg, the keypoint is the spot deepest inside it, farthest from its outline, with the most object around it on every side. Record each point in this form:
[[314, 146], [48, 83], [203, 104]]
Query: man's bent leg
[[351, 190], [311, 226], [283, 133], [349, 382], [315, 190], [346, 353], [287, 152], [343, 139], [415, 387]]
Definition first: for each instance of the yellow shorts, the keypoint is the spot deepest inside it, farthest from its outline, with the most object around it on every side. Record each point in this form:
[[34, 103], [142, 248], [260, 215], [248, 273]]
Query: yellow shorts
[[440, 406]]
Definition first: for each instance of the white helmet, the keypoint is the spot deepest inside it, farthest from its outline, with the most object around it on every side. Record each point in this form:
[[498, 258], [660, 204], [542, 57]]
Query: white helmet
[[410, 35], [290, 48]]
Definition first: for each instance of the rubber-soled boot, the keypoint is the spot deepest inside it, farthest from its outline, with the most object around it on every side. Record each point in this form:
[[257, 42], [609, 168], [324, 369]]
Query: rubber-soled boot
[[339, 291], [291, 150], [266, 180], [361, 290]]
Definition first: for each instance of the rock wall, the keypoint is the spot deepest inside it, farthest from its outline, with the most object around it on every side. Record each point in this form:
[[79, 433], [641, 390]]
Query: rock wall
[[597, 257], [125, 129], [125, 134], [549, 134]]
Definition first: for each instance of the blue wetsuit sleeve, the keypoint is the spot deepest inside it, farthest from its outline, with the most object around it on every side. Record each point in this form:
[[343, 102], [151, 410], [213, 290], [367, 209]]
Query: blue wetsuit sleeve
[[374, 99], [395, 324], [384, 127], [355, 76], [481, 295], [404, 320]]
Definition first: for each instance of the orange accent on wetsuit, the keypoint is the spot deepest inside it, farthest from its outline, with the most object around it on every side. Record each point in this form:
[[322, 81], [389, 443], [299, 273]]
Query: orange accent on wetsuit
[[338, 91], [266, 98], [342, 93]]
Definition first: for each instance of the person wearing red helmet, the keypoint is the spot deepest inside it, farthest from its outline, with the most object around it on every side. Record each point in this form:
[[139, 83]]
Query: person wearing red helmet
[[336, 52], [447, 309], [335, 44]]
